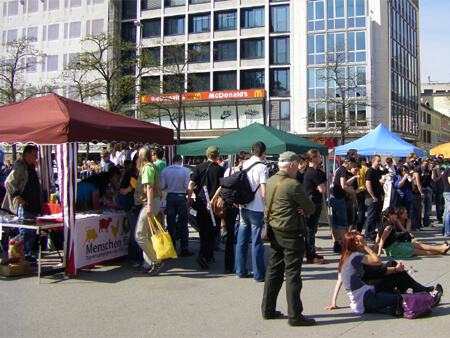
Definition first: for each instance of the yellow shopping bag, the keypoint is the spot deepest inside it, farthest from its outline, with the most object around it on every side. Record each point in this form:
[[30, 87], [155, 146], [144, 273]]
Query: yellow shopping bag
[[162, 243]]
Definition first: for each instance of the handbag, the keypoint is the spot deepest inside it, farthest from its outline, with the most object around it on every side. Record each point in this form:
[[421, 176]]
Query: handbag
[[162, 243], [265, 230], [417, 305], [403, 237], [218, 208]]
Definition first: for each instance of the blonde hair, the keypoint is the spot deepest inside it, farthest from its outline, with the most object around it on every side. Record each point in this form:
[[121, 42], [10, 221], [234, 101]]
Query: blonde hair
[[145, 158], [310, 156]]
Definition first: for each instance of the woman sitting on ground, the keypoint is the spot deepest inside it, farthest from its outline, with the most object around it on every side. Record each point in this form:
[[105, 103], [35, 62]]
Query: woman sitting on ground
[[363, 297], [403, 223], [386, 238]]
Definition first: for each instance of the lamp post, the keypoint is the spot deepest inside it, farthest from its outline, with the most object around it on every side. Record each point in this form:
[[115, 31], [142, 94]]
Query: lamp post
[[138, 24]]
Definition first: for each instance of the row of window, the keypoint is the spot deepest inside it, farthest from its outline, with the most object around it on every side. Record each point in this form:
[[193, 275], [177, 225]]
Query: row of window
[[406, 10], [11, 8], [404, 32], [223, 21], [336, 14], [226, 80], [404, 120], [331, 115], [72, 30], [226, 51], [404, 92], [403, 62]]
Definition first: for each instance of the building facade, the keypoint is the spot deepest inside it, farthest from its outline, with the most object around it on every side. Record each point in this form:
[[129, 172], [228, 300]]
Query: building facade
[[266, 61]]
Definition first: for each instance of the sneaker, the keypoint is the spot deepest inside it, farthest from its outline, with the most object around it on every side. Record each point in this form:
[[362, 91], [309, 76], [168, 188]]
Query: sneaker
[[316, 260], [223, 232], [301, 321], [156, 269], [142, 269], [186, 253], [202, 262], [437, 294]]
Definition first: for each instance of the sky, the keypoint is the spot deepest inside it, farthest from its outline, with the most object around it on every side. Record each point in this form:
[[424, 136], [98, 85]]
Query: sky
[[434, 21]]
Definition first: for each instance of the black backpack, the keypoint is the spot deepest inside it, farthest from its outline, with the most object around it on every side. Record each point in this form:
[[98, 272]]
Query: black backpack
[[236, 188]]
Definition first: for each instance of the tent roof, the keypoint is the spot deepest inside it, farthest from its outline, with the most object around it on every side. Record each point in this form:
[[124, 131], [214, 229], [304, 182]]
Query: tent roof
[[55, 119], [443, 149], [381, 141], [276, 141]]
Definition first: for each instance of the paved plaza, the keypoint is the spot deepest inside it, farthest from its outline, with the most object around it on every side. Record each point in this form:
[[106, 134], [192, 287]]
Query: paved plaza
[[184, 301]]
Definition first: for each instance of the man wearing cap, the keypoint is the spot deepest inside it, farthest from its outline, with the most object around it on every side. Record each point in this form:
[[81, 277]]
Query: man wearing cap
[[205, 174], [251, 216], [339, 221], [374, 196], [287, 245]]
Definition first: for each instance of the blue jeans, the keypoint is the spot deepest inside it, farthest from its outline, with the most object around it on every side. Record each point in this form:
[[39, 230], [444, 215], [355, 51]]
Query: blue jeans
[[176, 205], [338, 213], [427, 200], [373, 216], [311, 230], [251, 224], [380, 302], [28, 235], [446, 223], [134, 251]]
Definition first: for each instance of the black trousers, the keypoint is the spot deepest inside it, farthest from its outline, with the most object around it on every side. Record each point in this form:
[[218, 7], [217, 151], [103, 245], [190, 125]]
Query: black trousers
[[207, 231], [230, 222], [286, 258]]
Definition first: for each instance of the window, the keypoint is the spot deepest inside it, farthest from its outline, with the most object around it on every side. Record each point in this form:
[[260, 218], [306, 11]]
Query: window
[[97, 26], [150, 4], [151, 56], [129, 9], [128, 32], [75, 3], [356, 12], [151, 85], [199, 23], [316, 15], [225, 20], [174, 25], [336, 46], [316, 49], [75, 30], [32, 32], [356, 46], [12, 35], [225, 50], [33, 6], [280, 82], [53, 32], [280, 115], [280, 51], [31, 64], [252, 79], [52, 63], [225, 81], [174, 55], [152, 28], [252, 17], [336, 14], [199, 82], [279, 19], [13, 8], [173, 83], [252, 48], [193, 2], [316, 83], [174, 3], [199, 52]]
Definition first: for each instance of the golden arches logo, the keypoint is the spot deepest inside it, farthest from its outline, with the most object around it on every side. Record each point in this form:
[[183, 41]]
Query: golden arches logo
[[258, 93], [197, 96]]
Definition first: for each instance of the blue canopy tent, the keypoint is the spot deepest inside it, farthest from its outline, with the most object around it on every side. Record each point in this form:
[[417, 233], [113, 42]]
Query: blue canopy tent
[[381, 141]]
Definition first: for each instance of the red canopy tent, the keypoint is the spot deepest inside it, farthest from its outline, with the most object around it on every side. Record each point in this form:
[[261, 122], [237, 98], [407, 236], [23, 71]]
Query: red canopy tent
[[54, 120]]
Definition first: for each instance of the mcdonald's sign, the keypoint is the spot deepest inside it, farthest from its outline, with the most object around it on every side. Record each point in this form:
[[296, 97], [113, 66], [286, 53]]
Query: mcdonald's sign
[[225, 95]]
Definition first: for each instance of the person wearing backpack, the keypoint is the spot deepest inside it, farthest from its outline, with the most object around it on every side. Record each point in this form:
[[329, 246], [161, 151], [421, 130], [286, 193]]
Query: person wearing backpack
[[251, 216]]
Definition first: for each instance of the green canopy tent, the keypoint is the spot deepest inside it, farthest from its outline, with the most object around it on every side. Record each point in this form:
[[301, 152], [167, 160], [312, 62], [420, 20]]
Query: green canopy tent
[[276, 141]]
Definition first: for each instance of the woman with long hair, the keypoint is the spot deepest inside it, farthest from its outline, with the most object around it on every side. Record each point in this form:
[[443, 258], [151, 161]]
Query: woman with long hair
[[147, 192], [116, 155], [404, 187], [386, 238]]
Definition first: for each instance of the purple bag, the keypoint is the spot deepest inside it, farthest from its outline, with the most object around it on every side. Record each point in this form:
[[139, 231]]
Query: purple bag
[[417, 305]]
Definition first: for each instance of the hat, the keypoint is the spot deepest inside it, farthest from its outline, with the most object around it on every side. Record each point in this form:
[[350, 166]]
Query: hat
[[212, 151], [288, 156], [425, 159], [350, 159]]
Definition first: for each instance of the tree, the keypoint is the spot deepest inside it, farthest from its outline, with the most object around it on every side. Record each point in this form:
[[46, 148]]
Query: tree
[[178, 79], [108, 68], [344, 96], [19, 56]]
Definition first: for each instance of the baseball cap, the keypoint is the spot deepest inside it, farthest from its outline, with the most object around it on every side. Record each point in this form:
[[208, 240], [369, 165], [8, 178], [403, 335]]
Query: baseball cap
[[288, 156], [212, 151], [350, 159]]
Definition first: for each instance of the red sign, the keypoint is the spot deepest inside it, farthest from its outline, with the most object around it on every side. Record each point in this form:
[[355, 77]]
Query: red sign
[[330, 142], [233, 95]]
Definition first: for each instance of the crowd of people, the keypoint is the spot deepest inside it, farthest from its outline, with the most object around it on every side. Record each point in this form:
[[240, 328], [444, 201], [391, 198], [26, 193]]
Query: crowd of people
[[384, 205]]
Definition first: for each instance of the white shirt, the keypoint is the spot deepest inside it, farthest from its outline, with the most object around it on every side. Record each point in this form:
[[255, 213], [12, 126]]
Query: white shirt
[[117, 158], [257, 175]]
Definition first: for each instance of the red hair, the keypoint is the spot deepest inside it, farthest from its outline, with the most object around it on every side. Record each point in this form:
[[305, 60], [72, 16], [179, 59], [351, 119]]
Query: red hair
[[349, 245]]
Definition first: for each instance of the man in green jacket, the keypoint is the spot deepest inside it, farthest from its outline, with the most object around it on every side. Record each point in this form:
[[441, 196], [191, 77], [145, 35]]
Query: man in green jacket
[[287, 245]]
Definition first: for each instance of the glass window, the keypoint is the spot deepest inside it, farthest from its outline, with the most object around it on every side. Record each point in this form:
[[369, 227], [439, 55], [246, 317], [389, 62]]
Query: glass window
[[174, 3], [316, 49], [75, 29], [150, 4], [252, 17], [199, 82], [199, 52], [252, 79], [225, 81], [151, 56], [280, 82], [356, 13], [75, 3], [193, 2], [31, 64], [280, 115], [52, 63], [200, 23], [129, 9], [174, 25], [128, 32], [252, 48], [225, 50], [33, 6], [32, 32], [97, 26], [279, 19], [225, 20], [280, 50], [173, 83], [13, 8], [53, 32], [316, 15], [152, 28], [174, 55]]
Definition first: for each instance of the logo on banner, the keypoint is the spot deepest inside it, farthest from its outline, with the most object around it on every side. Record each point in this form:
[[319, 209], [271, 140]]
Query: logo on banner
[[225, 114], [197, 96], [99, 242], [258, 93], [251, 112]]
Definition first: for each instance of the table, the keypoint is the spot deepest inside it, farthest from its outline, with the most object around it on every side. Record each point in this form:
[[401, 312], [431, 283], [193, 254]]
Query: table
[[37, 226]]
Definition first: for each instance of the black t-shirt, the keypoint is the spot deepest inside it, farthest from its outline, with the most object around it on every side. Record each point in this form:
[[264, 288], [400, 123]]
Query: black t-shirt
[[311, 180], [439, 184], [445, 180], [209, 174], [125, 183], [391, 237], [374, 176], [338, 192], [32, 193], [100, 181], [425, 176]]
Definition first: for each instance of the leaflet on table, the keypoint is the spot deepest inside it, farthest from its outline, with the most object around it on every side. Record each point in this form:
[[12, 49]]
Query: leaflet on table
[[80, 215]]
